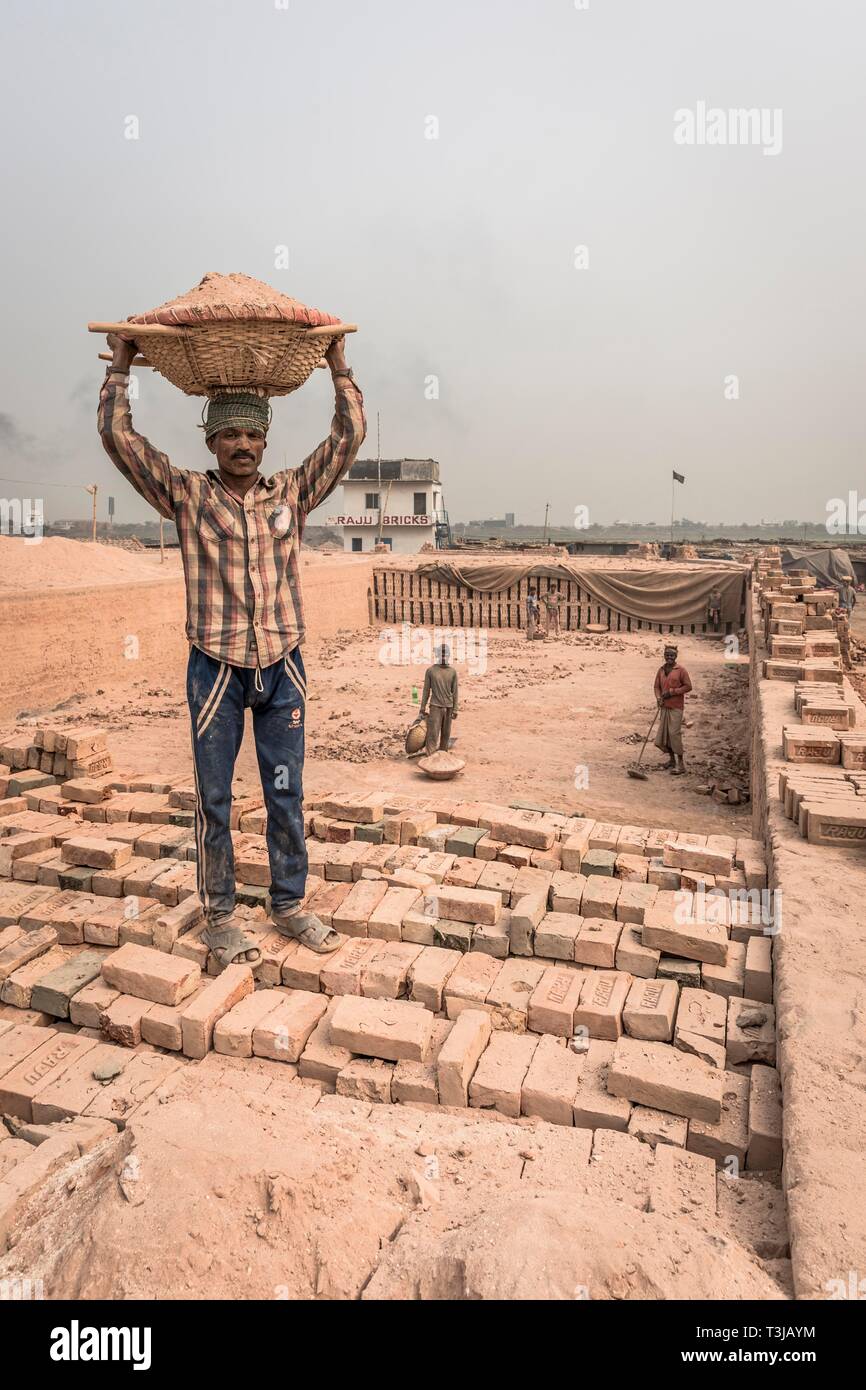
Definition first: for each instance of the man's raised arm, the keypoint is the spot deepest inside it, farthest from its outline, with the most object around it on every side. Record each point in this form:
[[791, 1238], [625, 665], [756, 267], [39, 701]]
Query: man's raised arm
[[319, 474], [149, 471]]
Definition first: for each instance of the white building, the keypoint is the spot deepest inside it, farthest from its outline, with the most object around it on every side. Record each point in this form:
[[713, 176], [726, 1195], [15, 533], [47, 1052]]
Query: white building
[[396, 501]]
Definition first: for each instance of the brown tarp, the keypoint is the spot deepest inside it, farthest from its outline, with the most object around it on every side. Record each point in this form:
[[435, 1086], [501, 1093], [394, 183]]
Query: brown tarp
[[669, 594]]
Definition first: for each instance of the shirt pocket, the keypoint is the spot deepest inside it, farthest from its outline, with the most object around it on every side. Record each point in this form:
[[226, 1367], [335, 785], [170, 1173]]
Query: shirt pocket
[[216, 521]]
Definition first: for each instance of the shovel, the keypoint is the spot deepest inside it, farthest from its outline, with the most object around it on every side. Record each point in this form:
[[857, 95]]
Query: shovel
[[637, 771]]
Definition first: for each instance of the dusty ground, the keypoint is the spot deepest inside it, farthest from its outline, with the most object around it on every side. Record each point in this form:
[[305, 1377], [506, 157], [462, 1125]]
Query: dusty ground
[[556, 722], [236, 1188]]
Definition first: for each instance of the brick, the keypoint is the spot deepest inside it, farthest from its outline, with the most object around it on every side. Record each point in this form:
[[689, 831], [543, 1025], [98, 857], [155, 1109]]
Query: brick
[[341, 971], [596, 942], [471, 905], [322, 1060], [470, 983], [758, 980], [283, 1031], [90, 1001], [144, 1073], [633, 957], [70, 1093], [566, 892], [17, 990], [594, 1106], [634, 901], [386, 1028], [489, 849], [682, 1183], [161, 1025], [174, 921], [366, 1079], [554, 1000], [152, 975], [602, 997], [650, 1009], [655, 1074], [556, 935], [120, 1021], [94, 852], [701, 1014], [419, 927], [24, 1081], [598, 863], [498, 878], [54, 991], [494, 940], [697, 858], [765, 1120], [658, 1127], [429, 974], [729, 1138], [701, 941], [459, 1056], [600, 897], [20, 1041], [551, 1082], [521, 829], [233, 1033], [686, 973], [509, 995], [386, 920], [199, 1018], [631, 868], [384, 973], [727, 980], [417, 1082], [353, 914], [751, 1032], [501, 1071], [22, 1183], [526, 914]]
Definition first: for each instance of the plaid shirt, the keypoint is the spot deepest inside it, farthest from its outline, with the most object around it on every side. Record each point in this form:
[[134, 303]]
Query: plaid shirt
[[240, 556]]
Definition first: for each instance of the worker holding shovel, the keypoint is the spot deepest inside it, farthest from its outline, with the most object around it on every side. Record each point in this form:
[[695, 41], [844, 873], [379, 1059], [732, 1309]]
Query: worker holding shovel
[[239, 538], [672, 684]]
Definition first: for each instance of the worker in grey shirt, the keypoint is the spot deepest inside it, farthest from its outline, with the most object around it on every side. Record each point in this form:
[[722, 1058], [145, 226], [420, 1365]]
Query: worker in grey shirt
[[440, 690]]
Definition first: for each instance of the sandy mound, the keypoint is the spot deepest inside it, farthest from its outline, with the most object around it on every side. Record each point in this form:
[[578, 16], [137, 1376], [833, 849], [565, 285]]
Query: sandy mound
[[220, 297], [562, 1245], [56, 563], [236, 1186]]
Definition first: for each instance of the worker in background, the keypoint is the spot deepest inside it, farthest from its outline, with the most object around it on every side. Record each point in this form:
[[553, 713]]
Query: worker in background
[[714, 609], [532, 615], [440, 692], [672, 684], [552, 600]]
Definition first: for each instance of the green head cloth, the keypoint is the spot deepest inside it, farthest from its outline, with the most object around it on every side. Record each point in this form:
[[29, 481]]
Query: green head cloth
[[237, 411]]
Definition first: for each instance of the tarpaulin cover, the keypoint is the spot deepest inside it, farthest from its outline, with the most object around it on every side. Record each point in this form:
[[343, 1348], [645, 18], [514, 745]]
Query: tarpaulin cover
[[670, 594], [830, 566]]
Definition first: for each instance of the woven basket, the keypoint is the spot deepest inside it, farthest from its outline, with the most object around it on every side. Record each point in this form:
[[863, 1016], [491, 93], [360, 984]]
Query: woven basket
[[232, 333], [272, 354]]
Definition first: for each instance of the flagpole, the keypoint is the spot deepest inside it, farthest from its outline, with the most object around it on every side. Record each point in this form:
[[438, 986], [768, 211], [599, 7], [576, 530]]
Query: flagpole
[[673, 483]]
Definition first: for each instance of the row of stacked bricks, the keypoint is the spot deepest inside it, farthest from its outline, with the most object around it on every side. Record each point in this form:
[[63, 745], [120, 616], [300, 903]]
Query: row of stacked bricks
[[824, 795], [533, 963], [42, 757]]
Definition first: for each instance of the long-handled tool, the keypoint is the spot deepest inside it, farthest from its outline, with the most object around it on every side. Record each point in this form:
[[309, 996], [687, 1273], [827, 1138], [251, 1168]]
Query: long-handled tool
[[637, 771]]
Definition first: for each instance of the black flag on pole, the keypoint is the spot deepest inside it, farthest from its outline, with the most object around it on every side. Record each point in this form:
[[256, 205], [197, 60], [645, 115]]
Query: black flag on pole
[[678, 477]]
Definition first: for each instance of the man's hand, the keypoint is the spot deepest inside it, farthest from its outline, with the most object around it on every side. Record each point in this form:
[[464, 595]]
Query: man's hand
[[454, 714], [335, 356], [123, 349]]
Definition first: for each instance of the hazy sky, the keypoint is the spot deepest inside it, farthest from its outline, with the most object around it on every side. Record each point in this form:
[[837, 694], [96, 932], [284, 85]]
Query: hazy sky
[[305, 126]]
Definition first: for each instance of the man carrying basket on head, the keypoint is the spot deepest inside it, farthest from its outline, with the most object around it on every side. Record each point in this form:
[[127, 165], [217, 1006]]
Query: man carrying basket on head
[[239, 536]]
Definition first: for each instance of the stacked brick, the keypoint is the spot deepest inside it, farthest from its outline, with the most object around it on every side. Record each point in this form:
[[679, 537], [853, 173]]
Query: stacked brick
[[824, 790], [42, 756]]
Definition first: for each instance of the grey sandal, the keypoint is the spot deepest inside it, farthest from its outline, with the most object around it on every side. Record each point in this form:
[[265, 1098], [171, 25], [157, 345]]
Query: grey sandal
[[227, 943], [309, 930]]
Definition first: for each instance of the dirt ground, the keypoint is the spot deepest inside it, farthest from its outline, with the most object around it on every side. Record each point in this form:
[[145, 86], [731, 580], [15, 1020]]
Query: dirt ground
[[556, 722]]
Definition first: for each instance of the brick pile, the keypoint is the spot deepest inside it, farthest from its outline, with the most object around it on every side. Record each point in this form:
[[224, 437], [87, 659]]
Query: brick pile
[[510, 958], [42, 756], [824, 791]]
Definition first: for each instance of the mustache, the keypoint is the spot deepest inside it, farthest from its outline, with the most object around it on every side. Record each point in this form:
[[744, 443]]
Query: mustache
[[244, 454]]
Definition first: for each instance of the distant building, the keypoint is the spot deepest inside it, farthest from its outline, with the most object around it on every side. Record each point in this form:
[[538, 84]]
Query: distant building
[[396, 500]]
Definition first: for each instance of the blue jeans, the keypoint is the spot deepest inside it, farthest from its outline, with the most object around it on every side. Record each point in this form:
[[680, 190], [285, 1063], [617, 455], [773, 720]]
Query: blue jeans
[[218, 694]]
